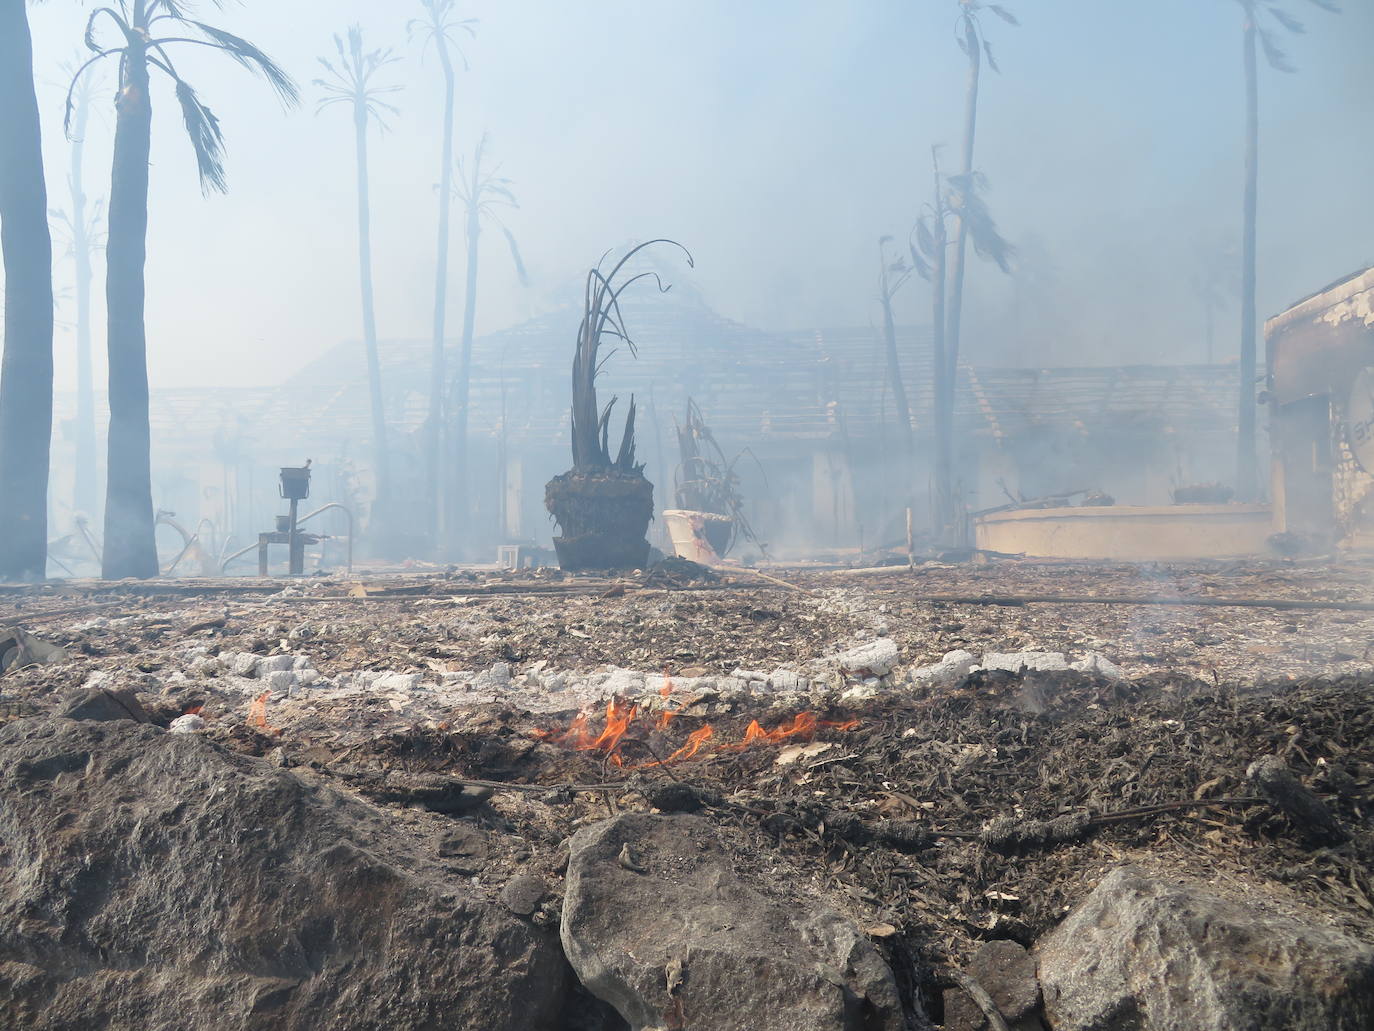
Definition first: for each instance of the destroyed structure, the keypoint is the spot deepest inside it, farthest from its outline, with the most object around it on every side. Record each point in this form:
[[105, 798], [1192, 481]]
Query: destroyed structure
[[813, 408], [1321, 402]]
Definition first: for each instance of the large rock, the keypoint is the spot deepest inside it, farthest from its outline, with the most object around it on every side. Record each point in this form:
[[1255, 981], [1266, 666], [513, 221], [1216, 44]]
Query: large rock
[[658, 921], [155, 881], [1148, 954]]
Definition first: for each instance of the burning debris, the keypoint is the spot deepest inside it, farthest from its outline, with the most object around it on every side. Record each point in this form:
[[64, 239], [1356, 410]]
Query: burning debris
[[621, 716]]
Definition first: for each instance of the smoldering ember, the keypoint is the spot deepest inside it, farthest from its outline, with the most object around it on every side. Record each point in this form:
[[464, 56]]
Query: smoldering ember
[[702, 619]]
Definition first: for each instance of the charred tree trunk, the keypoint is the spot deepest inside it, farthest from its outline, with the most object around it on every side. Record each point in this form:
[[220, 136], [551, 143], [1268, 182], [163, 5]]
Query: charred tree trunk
[[1247, 482], [944, 393], [434, 428], [130, 550], [26, 372], [894, 370], [381, 456], [85, 492], [956, 299]]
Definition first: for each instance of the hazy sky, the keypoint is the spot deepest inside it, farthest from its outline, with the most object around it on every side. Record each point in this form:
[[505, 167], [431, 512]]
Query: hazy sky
[[777, 138]]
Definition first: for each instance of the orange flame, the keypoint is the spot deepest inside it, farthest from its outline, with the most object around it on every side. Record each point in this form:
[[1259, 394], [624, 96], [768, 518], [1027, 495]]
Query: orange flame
[[580, 738], [618, 720], [620, 714], [257, 712], [695, 740]]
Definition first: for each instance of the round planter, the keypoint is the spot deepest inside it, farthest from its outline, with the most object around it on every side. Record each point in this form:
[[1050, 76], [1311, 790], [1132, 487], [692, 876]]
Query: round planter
[[604, 517]]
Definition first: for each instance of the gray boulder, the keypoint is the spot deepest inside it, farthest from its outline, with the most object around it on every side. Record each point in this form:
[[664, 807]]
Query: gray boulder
[[156, 881], [659, 922], [1151, 954]]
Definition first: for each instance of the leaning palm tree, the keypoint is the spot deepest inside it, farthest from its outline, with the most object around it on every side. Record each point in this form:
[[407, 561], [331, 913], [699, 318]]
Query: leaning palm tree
[[957, 197], [351, 82], [974, 43], [892, 276], [442, 27], [84, 239], [26, 372], [145, 34], [482, 192], [1256, 37]]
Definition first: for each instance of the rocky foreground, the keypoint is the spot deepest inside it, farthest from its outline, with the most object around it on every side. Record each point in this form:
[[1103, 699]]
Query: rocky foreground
[[831, 802]]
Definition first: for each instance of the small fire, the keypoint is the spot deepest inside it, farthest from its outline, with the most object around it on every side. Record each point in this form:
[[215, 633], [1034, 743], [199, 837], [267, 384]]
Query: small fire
[[620, 714], [257, 712], [665, 715], [803, 725], [578, 736], [695, 740]]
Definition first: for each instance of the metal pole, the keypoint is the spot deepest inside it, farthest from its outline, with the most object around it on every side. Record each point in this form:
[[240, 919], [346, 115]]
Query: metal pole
[[296, 546], [910, 543]]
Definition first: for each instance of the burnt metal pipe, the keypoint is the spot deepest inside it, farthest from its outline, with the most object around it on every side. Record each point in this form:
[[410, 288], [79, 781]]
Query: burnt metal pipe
[[345, 511], [310, 515]]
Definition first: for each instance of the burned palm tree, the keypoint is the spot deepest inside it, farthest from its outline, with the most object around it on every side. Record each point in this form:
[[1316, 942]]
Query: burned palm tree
[[955, 197], [145, 34], [1256, 37], [482, 191], [442, 27], [26, 374], [603, 504], [706, 483], [351, 82], [973, 41], [892, 276]]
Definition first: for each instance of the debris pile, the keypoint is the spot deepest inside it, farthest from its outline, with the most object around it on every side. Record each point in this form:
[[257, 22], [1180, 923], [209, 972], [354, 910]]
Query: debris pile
[[832, 802]]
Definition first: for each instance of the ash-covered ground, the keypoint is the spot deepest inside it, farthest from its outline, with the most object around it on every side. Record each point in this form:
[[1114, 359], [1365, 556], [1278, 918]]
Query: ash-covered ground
[[931, 718]]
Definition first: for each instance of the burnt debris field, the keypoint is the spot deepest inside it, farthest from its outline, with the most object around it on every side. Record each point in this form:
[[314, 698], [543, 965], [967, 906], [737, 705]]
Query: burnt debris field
[[614, 794]]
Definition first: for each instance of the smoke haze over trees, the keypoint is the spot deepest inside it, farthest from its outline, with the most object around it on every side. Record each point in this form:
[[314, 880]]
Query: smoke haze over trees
[[1099, 153]]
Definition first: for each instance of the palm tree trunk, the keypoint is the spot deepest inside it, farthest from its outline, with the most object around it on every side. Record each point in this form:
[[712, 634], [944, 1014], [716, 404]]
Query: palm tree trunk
[[956, 300], [26, 371], [130, 550], [1246, 473], [943, 401], [374, 368], [434, 428], [458, 510], [85, 487], [894, 371]]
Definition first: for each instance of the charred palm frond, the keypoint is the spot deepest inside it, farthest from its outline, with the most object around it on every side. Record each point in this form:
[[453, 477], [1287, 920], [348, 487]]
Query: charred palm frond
[[146, 36], [966, 202], [602, 317], [705, 481], [350, 79]]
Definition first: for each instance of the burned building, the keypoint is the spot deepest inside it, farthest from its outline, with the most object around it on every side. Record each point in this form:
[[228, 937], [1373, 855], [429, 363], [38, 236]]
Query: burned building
[[823, 473], [1320, 392]]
